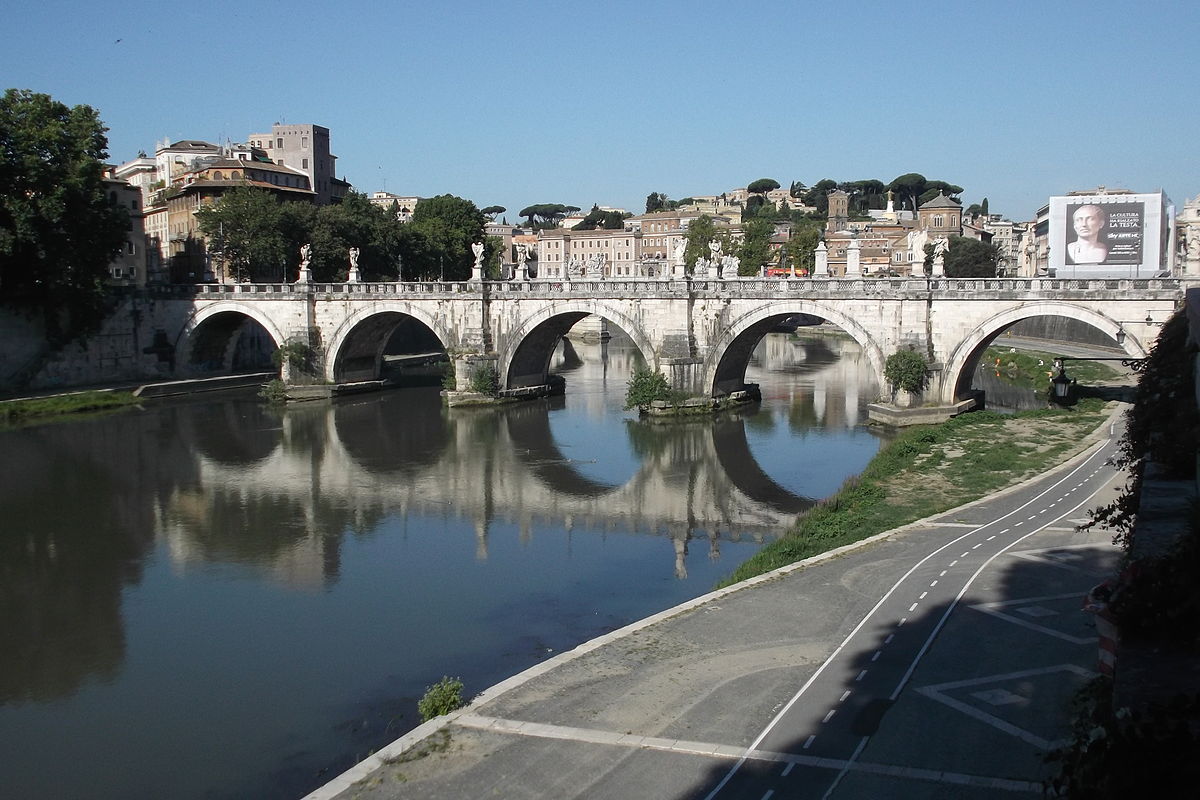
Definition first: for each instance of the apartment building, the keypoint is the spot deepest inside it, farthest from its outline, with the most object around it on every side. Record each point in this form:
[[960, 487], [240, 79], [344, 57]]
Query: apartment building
[[304, 148]]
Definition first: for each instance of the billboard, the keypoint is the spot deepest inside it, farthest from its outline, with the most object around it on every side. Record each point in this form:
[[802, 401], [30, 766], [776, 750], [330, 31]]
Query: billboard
[[1110, 235]]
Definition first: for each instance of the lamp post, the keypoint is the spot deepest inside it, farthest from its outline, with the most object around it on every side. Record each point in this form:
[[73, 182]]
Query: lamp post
[[1061, 383]]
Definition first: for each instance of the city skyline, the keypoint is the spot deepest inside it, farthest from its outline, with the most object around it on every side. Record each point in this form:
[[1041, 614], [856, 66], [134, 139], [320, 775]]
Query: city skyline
[[529, 103]]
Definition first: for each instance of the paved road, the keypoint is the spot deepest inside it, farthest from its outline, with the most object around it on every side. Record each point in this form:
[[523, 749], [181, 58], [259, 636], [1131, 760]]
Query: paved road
[[934, 663], [845, 706]]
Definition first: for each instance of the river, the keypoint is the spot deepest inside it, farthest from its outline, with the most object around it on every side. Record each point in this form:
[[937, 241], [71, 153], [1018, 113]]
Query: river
[[209, 598]]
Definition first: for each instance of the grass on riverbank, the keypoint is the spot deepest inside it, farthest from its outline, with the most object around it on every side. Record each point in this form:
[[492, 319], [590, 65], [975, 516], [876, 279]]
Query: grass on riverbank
[[15, 411], [930, 469], [1033, 368]]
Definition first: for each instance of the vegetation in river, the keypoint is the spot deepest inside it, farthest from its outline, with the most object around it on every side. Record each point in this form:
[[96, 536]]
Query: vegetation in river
[[14, 411], [274, 392], [647, 385], [930, 469]]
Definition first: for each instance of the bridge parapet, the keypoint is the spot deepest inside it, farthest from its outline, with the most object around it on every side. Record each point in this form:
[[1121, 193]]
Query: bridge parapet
[[765, 288]]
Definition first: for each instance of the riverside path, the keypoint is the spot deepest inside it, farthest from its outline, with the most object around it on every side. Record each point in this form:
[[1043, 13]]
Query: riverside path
[[934, 661]]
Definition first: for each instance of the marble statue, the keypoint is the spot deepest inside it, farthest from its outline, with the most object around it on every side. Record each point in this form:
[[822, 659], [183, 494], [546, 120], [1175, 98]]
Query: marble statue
[[353, 258], [477, 249], [305, 275], [595, 267]]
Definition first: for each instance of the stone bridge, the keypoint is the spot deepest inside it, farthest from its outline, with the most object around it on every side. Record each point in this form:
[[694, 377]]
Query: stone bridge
[[699, 333]]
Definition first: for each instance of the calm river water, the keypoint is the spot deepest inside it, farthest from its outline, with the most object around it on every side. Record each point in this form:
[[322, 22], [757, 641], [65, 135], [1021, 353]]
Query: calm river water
[[207, 598]]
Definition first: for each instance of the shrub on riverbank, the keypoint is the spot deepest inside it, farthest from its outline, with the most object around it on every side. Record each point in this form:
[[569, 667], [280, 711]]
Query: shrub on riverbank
[[927, 470], [14, 411], [441, 698]]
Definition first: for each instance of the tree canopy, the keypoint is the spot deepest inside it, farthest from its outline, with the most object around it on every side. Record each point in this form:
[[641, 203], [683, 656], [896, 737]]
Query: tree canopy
[[447, 225], [550, 214], [755, 248], [605, 220], [762, 186], [970, 258], [657, 201], [800, 250], [248, 231], [58, 229]]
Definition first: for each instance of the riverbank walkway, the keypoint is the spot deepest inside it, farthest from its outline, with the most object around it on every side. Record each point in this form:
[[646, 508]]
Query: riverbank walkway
[[933, 661]]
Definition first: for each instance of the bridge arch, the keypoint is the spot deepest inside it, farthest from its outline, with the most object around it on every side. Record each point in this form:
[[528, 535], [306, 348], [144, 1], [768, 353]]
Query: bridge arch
[[526, 352], [362, 336], [725, 366], [964, 357], [210, 334]]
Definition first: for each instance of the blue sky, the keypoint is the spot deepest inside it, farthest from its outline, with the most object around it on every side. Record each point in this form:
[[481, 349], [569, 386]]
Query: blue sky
[[533, 102]]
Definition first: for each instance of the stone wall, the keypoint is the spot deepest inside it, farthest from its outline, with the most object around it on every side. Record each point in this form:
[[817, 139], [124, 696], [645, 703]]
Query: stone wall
[[113, 355]]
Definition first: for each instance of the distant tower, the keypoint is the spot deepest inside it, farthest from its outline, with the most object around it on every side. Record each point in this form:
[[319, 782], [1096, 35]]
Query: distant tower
[[839, 211]]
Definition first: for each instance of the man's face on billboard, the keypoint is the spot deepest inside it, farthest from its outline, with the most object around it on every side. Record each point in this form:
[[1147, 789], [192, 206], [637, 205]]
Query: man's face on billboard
[[1088, 222]]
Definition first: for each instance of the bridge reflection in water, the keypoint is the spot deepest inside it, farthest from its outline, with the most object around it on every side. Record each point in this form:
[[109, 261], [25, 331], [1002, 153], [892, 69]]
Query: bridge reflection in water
[[295, 579], [528, 466]]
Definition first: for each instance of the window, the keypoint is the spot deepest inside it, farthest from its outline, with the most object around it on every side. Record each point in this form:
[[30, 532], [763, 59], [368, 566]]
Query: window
[[304, 163], [279, 142], [937, 220], [304, 142], [235, 175], [218, 176], [129, 248]]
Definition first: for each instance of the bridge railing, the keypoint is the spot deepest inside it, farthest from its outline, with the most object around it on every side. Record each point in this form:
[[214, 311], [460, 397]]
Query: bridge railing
[[737, 287]]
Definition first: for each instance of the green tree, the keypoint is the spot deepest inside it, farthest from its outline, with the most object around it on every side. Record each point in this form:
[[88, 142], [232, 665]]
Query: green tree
[[550, 214], [800, 250], [58, 229], [970, 258], [818, 195], [605, 220], [935, 188], [700, 232], [645, 386], [491, 211], [755, 248], [447, 226], [762, 186], [247, 235], [355, 222], [905, 369], [908, 189], [655, 202]]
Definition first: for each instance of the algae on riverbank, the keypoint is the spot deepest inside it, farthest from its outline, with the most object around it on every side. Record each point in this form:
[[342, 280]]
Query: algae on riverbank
[[15, 411], [930, 469]]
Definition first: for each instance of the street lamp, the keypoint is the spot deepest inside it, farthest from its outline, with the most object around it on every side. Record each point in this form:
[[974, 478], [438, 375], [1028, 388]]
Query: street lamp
[[1061, 383]]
